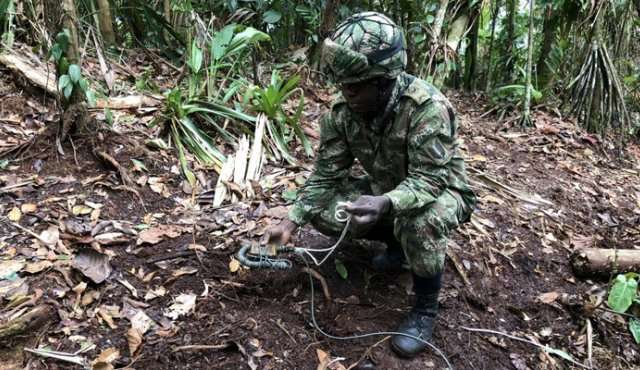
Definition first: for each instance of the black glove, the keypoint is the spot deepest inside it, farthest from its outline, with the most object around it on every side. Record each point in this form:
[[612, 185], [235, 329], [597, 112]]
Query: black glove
[[366, 212]]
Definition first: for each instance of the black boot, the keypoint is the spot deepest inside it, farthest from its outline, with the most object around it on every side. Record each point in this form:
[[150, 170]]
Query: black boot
[[391, 259], [420, 321]]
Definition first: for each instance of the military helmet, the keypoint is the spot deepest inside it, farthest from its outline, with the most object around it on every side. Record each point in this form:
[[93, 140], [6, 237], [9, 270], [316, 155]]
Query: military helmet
[[364, 46]]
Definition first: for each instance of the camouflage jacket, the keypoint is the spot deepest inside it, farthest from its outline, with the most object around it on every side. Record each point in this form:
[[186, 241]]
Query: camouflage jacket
[[410, 153]]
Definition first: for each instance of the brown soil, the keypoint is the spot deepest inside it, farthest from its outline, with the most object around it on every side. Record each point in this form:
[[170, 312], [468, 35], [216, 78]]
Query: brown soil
[[511, 254]]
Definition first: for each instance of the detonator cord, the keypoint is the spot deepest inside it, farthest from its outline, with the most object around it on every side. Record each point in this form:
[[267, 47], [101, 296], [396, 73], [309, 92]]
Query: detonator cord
[[342, 215]]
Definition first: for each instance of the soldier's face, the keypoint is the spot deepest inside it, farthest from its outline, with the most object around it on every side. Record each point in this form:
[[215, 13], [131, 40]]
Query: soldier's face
[[368, 96]]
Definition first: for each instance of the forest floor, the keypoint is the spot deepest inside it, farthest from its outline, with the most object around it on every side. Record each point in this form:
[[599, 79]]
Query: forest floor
[[167, 254]]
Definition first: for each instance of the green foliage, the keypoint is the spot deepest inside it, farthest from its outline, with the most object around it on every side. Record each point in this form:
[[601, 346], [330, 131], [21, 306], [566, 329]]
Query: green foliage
[[622, 295], [7, 13], [270, 100], [634, 328], [623, 292], [341, 269]]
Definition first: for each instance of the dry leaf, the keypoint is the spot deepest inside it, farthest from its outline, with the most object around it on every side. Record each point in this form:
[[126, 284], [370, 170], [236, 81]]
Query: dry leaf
[[182, 305], [186, 270], [10, 267], [197, 247], [93, 265], [105, 359], [153, 294], [104, 314], [134, 338], [35, 267], [156, 234], [80, 210], [15, 215], [28, 208], [50, 236], [234, 265], [548, 298], [141, 322]]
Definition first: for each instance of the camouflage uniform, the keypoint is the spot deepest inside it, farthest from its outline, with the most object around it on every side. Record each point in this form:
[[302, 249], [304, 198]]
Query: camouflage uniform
[[412, 157]]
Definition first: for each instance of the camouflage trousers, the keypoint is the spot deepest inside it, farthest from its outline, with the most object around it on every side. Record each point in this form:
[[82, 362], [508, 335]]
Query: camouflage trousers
[[422, 235]]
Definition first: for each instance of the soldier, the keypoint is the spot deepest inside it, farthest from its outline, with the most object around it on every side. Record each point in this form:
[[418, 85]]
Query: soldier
[[402, 131]]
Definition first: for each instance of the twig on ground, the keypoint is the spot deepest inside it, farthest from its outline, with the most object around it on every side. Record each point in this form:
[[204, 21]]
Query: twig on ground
[[281, 326], [547, 349], [201, 347], [124, 174], [368, 352]]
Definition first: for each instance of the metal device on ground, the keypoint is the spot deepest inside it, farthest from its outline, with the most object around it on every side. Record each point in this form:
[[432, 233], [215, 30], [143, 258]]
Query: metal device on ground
[[271, 256]]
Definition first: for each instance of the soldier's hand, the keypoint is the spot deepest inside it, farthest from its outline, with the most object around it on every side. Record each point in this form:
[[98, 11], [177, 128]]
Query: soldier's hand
[[281, 233], [367, 211]]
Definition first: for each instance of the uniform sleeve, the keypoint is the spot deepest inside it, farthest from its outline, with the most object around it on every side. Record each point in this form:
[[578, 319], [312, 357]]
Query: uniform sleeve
[[431, 145], [333, 162]]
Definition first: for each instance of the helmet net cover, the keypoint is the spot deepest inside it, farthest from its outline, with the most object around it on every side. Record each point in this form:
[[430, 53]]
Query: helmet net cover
[[364, 46]]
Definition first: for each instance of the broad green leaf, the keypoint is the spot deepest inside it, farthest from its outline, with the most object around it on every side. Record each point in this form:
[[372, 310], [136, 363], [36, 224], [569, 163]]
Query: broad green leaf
[[195, 62], [84, 85], [91, 98], [341, 269], [271, 16], [290, 195], [622, 293], [63, 82], [634, 328], [4, 163], [68, 90], [221, 41], [75, 73], [56, 52], [430, 19]]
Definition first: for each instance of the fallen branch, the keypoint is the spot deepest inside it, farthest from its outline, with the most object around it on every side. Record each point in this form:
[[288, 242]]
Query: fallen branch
[[130, 102], [321, 279], [31, 72], [124, 174], [547, 349], [24, 324], [595, 261], [201, 347]]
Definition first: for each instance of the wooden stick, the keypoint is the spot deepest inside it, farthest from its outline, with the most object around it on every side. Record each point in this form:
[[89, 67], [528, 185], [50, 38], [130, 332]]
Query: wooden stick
[[201, 347], [595, 261]]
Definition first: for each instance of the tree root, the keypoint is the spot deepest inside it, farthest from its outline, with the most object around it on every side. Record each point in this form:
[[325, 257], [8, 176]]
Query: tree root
[[321, 279]]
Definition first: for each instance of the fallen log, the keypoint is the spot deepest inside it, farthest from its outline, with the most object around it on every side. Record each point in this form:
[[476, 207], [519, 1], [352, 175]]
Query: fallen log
[[595, 261], [24, 324], [36, 74], [31, 71]]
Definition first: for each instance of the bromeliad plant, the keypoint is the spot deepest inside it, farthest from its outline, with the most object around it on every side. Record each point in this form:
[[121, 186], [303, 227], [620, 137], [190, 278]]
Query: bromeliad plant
[[622, 296], [190, 115], [282, 127]]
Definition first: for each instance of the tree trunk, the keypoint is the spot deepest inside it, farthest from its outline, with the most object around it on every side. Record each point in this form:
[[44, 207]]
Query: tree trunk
[[106, 24], [511, 27], [549, 31], [526, 114], [327, 25], [471, 57], [438, 22], [494, 21], [166, 10], [329, 18]]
